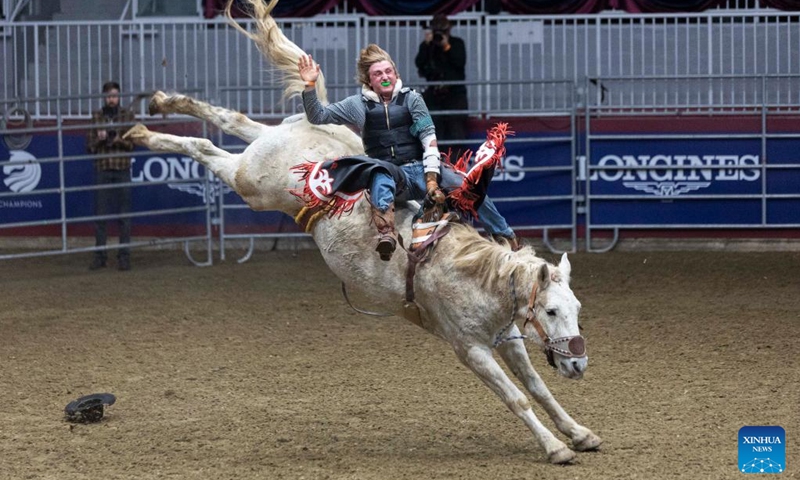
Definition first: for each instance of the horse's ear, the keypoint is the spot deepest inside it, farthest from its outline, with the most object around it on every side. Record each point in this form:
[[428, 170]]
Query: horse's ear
[[543, 278], [565, 267]]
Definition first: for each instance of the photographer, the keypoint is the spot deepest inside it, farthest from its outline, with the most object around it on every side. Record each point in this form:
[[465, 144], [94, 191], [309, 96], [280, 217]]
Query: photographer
[[442, 58], [105, 139]]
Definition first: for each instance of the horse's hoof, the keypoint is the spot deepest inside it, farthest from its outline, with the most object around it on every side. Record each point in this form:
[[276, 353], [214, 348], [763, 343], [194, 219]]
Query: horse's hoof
[[587, 443], [564, 455], [136, 132], [154, 107]]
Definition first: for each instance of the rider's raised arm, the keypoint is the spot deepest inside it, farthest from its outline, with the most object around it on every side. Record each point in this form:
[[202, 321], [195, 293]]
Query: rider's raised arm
[[349, 111]]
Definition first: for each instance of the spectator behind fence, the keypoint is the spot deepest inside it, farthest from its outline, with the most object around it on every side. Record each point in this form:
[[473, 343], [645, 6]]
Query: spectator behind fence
[[105, 140], [442, 58]]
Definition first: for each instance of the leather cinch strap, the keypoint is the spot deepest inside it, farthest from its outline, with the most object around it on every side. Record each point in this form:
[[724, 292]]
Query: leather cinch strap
[[419, 255]]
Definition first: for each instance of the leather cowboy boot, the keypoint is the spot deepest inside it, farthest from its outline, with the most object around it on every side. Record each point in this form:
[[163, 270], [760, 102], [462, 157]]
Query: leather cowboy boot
[[387, 236]]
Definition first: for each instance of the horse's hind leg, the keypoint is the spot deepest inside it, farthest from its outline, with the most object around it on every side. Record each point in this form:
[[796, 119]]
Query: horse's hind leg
[[222, 163], [479, 359], [232, 123], [516, 357]]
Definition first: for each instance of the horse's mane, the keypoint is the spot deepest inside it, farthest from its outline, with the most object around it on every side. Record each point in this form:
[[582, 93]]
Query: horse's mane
[[489, 262], [278, 49]]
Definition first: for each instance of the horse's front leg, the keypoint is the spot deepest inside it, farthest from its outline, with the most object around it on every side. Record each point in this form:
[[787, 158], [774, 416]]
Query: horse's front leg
[[479, 359], [516, 357]]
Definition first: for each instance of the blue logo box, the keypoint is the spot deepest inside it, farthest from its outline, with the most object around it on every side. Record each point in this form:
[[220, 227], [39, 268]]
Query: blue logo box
[[762, 449]]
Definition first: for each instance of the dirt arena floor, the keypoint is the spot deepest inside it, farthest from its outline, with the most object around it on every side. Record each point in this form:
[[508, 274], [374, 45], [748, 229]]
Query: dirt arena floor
[[260, 370]]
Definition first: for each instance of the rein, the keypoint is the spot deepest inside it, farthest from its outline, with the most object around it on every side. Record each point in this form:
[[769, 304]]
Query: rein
[[570, 347], [498, 339], [364, 312]]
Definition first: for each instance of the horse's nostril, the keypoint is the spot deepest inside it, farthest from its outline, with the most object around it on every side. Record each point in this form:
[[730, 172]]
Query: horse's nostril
[[576, 366]]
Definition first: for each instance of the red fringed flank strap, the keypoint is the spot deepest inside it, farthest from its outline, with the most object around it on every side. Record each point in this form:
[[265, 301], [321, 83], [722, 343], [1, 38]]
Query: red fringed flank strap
[[473, 189], [317, 191]]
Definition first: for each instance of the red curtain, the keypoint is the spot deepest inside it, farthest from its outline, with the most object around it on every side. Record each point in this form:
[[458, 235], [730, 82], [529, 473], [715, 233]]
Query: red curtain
[[782, 4], [659, 6], [408, 7], [533, 7], [285, 8], [307, 8]]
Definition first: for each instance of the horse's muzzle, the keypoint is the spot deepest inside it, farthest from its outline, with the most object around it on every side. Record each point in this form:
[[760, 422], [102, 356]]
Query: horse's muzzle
[[566, 347]]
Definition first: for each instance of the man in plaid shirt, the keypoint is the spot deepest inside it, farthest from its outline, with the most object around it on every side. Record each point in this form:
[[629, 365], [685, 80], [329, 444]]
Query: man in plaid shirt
[[113, 166]]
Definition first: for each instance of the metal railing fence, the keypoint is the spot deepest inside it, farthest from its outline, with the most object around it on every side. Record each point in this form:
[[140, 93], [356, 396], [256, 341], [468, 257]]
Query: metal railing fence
[[23, 174], [56, 59], [581, 141], [766, 104]]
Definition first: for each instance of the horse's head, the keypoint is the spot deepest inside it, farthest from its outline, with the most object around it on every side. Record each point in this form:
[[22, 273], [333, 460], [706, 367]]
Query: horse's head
[[552, 320], [551, 316]]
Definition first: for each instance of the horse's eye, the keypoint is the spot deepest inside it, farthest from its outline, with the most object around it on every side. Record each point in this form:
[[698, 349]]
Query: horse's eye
[[551, 312]]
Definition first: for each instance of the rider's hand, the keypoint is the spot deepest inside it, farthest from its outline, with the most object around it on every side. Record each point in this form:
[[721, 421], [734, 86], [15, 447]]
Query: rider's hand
[[434, 196], [309, 71], [434, 193]]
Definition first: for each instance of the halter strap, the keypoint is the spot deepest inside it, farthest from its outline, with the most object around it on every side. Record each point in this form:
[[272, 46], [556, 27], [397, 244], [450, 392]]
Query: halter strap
[[570, 347], [530, 316]]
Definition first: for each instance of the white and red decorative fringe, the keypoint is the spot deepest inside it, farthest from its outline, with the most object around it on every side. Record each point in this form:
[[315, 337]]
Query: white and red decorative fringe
[[476, 180], [317, 191]]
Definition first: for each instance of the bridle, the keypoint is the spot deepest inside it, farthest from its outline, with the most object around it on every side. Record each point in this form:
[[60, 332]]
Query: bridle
[[570, 347]]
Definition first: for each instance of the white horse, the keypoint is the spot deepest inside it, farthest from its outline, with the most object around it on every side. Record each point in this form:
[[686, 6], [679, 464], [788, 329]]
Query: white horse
[[469, 292]]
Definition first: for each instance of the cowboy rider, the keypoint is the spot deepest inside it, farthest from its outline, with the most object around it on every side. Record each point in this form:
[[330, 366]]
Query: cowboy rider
[[396, 127]]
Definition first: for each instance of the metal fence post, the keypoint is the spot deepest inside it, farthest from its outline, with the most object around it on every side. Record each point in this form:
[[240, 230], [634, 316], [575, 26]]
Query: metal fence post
[[62, 180], [36, 57], [142, 86], [764, 169]]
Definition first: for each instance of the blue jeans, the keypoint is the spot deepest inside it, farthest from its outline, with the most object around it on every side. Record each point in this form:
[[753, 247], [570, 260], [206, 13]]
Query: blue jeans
[[383, 192]]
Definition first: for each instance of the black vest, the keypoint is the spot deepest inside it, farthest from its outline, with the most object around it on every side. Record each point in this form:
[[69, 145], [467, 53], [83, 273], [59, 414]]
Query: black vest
[[387, 131]]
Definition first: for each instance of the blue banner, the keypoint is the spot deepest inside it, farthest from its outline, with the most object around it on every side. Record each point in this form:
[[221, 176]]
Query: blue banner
[[524, 196], [630, 182], [36, 169], [656, 182]]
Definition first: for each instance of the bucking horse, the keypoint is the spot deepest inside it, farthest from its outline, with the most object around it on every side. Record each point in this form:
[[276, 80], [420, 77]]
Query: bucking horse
[[471, 292]]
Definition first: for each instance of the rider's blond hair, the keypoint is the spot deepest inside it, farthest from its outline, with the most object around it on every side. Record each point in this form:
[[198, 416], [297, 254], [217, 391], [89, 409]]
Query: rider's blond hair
[[368, 57]]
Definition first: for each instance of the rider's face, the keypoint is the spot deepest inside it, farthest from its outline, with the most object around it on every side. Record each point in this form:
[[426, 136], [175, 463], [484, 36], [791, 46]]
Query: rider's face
[[382, 79]]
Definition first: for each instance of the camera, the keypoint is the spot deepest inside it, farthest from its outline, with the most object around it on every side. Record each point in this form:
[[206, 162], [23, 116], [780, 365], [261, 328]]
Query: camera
[[439, 26], [110, 136]]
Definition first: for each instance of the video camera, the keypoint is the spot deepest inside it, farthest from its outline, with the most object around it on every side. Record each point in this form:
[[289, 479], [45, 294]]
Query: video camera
[[111, 135]]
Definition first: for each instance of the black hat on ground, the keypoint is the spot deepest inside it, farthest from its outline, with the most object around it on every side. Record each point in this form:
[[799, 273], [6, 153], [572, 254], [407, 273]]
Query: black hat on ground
[[89, 408]]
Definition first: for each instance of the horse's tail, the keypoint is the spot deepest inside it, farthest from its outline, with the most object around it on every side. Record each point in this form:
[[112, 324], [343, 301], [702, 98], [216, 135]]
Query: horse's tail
[[279, 50]]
